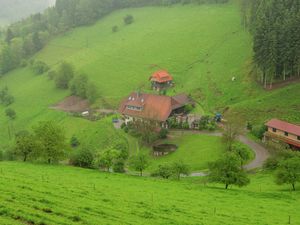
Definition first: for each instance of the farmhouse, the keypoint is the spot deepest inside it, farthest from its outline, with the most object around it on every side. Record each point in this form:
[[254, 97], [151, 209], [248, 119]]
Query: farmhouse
[[282, 131], [152, 107], [161, 80]]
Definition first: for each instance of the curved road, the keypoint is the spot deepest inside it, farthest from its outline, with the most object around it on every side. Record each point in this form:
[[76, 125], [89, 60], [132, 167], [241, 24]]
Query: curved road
[[261, 153]]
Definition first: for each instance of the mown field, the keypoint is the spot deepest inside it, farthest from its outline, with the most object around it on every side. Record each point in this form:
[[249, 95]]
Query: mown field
[[41, 194], [194, 150], [203, 47]]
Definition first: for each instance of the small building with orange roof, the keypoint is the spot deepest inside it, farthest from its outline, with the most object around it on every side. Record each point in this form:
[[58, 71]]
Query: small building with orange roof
[[161, 80]]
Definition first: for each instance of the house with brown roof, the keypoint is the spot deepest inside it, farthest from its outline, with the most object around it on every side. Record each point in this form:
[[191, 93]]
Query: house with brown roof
[[278, 130], [152, 107], [161, 80]]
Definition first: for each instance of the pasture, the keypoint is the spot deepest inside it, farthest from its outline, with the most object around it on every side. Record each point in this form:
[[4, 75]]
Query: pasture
[[42, 194], [194, 150], [203, 47]]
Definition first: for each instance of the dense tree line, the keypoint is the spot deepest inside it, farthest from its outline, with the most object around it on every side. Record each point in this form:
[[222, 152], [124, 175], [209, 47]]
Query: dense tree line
[[24, 38], [276, 32]]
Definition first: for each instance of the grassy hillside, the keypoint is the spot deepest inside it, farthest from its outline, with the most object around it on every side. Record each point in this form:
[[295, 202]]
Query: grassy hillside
[[202, 46], [36, 194]]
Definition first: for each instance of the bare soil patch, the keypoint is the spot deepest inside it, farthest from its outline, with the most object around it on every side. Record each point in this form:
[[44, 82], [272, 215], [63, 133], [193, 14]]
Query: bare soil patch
[[72, 104]]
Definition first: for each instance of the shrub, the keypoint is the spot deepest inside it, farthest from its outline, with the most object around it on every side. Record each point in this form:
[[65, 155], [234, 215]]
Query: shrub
[[64, 75], [115, 29], [185, 125], [128, 19], [249, 126], [74, 141], [119, 166], [271, 163], [10, 113], [212, 126], [83, 157], [164, 171], [258, 131], [188, 108], [52, 74], [204, 121], [40, 67], [163, 133]]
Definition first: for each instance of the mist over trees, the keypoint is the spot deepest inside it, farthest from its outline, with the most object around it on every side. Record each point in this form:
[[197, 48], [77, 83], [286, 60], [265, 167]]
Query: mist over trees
[[14, 10], [275, 26], [24, 38]]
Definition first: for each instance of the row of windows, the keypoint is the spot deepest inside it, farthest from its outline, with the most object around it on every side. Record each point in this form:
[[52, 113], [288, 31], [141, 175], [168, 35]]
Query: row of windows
[[134, 108], [285, 133]]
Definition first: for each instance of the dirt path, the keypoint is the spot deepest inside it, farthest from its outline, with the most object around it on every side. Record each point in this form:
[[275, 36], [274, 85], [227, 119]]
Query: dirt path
[[261, 153]]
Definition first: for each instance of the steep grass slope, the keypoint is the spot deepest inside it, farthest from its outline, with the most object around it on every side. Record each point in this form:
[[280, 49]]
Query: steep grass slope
[[37, 194]]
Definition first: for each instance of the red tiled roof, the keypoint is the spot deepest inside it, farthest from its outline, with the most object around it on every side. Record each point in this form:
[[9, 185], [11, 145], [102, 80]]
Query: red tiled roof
[[284, 126], [161, 76], [155, 107]]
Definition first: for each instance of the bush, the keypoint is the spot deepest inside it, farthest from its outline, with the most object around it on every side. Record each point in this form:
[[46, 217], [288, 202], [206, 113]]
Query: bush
[[163, 171], [9, 154], [119, 166], [204, 121], [83, 157], [74, 141], [10, 113], [163, 134], [115, 29], [271, 163], [212, 126], [6, 99], [52, 74], [64, 75], [40, 67], [249, 126], [258, 131], [123, 150], [128, 19], [185, 125], [188, 108]]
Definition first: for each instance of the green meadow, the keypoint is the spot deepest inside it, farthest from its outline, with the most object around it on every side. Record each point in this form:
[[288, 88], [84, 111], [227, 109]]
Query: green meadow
[[195, 150], [203, 47], [42, 194]]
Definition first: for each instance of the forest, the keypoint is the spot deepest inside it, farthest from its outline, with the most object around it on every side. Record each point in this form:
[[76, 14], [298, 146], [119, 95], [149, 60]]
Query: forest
[[274, 25]]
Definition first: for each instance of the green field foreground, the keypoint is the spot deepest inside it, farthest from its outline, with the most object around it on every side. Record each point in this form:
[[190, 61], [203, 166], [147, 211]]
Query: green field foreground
[[41, 194]]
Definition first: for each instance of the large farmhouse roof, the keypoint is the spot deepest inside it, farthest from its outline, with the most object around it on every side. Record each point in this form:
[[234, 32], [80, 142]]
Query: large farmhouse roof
[[284, 126], [161, 76], [150, 106]]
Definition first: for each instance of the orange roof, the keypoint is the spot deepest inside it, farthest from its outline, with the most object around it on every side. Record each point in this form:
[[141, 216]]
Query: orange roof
[[284, 126], [161, 76], [154, 107]]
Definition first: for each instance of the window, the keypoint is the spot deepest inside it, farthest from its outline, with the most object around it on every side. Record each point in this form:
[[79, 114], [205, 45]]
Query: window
[[286, 133], [298, 138], [274, 130], [136, 108]]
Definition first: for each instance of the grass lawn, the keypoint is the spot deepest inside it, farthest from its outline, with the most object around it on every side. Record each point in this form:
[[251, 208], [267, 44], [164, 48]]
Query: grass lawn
[[195, 150], [41, 194]]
